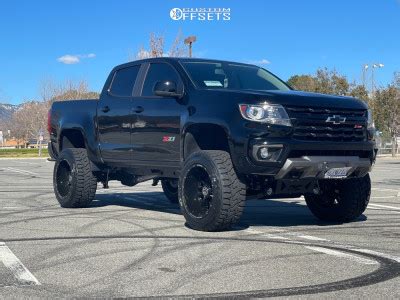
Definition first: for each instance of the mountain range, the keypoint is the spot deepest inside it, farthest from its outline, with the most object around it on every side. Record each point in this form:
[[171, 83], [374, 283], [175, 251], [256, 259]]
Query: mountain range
[[6, 110]]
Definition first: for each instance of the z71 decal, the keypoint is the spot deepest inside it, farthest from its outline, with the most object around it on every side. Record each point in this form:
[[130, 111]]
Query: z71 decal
[[167, 139]]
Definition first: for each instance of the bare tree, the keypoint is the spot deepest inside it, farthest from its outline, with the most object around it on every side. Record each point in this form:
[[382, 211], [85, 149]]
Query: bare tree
[[67, 90], [31, 118], [177, 48], [141, 54], [157, 47]]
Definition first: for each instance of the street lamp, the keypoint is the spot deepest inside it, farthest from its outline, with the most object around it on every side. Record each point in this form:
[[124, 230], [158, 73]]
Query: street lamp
[[364, 73], [189, 41], [371, 67], [374, 66]]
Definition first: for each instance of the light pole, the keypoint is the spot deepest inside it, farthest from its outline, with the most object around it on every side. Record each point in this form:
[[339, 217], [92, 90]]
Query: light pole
[[374, 66], [364, 74], [189, 41]]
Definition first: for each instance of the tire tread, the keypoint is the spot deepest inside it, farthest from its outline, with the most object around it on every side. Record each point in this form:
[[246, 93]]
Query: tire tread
[[233, 191], [86, 183]]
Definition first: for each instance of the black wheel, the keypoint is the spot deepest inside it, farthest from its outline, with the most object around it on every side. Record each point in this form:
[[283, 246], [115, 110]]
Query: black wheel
[[170, 188], [211, 196], [340, 200], [73, 180]]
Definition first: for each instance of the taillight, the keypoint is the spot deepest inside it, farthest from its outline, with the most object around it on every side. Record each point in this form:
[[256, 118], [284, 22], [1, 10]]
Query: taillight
[[49, 121]]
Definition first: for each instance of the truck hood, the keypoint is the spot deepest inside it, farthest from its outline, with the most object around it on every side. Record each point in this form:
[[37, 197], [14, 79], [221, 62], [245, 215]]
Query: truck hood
[[295, 98]]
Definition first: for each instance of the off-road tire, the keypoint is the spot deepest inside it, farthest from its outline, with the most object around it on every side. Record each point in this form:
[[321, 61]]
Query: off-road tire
[[170, 190], [228, 192], [341, 200], [79, 187]]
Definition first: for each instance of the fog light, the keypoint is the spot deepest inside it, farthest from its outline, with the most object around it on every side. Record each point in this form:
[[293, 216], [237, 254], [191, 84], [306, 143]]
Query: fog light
[[264, 153]]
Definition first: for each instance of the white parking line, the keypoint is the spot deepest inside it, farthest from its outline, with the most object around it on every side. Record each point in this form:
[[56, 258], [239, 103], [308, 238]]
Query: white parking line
[[284, 234], [253, 231], [26, 162], [14, 207], [385, 190], [20, 272], [265, 234], [312, 238], [384, 206], [20, 171], [274, 236], [384, 209], [343, 255], [392, 257]]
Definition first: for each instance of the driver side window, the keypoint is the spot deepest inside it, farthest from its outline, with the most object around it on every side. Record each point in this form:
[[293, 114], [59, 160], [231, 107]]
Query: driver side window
[[158, 72]]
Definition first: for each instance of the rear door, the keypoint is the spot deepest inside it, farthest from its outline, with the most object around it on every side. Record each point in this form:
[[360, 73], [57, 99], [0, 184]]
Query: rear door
[[156, 130], [114, 113]]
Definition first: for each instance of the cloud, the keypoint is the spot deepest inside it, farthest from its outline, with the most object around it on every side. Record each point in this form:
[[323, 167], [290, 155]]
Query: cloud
[[69, 59], [262, 61]]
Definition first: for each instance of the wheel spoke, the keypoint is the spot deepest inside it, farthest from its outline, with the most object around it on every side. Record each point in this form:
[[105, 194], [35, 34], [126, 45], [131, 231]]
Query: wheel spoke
[[63, 178], [197, 191]]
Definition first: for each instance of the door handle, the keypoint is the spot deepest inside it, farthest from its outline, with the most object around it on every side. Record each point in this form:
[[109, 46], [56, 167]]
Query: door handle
[[138, 109], [105, 109]]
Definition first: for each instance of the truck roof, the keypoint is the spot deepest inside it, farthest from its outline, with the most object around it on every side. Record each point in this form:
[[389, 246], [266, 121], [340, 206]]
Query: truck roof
[[177, 59]]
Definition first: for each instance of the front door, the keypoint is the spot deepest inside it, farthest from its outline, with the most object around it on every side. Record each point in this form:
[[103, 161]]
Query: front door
[[115, 118], [156, 129]]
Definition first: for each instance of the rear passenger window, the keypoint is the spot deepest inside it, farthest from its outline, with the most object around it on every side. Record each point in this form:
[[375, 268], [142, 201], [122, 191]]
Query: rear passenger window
[[158, 72], [124, 80]]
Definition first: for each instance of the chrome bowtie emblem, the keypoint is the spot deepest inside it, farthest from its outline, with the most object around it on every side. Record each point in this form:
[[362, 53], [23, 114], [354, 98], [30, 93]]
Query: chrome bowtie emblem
[[336, 119]]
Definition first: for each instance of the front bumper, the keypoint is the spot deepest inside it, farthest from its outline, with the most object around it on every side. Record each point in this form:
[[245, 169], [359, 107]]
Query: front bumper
[[316, 166], [290, 152]]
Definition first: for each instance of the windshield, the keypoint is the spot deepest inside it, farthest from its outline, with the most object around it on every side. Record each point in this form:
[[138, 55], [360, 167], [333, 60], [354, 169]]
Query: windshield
[[219, 75]]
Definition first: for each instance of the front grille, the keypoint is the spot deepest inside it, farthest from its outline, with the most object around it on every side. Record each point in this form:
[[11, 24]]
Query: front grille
[[333, 125]]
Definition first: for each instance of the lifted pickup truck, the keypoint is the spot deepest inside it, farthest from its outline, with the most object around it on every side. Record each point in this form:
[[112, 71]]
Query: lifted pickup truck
[[214, 132]]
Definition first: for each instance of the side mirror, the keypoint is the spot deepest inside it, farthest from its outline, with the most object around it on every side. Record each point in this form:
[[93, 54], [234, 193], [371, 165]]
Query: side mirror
[[166, 88]]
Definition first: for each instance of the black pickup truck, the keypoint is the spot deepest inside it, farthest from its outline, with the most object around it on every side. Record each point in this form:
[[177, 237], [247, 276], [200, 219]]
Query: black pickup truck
[[214, 133]]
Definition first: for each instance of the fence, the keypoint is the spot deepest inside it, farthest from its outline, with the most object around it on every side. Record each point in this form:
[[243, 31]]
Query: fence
[[385, 145]]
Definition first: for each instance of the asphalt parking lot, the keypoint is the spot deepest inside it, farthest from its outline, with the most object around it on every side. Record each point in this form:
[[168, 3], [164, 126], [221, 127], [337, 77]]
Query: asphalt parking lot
[[133, 242]]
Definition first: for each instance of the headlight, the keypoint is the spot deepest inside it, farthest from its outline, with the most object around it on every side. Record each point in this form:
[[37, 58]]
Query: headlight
[[265, 113], [371, 124]]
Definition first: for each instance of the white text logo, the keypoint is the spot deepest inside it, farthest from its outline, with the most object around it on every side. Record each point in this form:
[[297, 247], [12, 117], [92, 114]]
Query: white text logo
[[200, 14]]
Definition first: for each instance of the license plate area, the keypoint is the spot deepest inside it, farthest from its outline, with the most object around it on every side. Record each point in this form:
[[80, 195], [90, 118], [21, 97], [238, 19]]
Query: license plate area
[[337, 173]]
